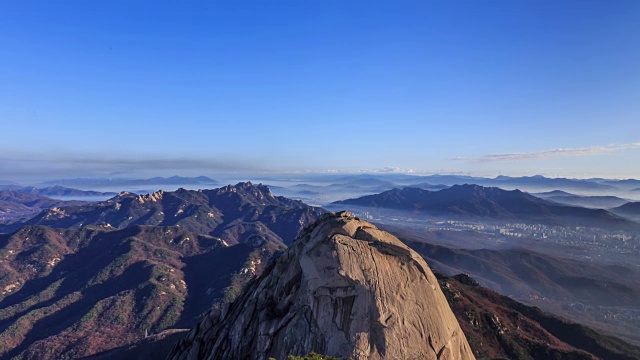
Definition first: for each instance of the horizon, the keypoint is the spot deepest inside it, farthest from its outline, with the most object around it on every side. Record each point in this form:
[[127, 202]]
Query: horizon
[[478, 89], [302, 177]]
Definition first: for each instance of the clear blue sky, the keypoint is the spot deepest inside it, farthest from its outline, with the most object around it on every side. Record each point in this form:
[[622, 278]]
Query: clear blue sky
[[480, 87]]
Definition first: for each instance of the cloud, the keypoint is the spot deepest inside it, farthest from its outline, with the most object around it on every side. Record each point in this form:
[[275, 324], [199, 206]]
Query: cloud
[[22, 165], [552, 153]]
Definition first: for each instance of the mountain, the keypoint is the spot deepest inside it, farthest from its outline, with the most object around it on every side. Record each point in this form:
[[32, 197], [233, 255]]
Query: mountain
[[108, 293], [498, 327], [594, 202], [428, 186], [630, 210], [547, 194], [235, 213], [324, 194], [528, 274], [312, 298], [344, 289], [541, 182], [57, 190], [530, 183], [113, 182], [626, 184], [492, 203], [69, 290], [450, 180], [16, 206]]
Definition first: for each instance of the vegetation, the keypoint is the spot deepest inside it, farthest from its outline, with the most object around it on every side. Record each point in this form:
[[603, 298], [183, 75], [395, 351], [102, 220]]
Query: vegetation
[[82, 280], [311, 356]]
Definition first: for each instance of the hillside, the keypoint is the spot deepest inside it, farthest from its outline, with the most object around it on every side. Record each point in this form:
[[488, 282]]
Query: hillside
[[500, 327], [602, 295], [630, 210], [594, 202], [123, 182], [234, 213], [56, 191], [148, 280], [73, 290], [491, 203], [16, 206]]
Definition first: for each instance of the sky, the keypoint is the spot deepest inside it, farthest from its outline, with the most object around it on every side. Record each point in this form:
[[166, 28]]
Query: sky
[[123, 88]]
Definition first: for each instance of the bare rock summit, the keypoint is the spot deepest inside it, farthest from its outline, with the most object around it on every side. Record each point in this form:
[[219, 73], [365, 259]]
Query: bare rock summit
[[344, 289]]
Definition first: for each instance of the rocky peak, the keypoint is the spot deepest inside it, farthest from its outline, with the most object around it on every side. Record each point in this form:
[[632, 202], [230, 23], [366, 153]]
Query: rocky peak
[[256, 190], [247, 191], [344, 288], [123, 195], [156, 196]]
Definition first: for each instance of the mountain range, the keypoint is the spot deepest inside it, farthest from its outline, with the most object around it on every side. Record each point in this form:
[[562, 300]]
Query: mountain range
[[491, 203], [56, 191], [80, 286], [245, 209], [344, 278], [159, 262], [114, 182], [16, 206], [630, 210], [594, 202]]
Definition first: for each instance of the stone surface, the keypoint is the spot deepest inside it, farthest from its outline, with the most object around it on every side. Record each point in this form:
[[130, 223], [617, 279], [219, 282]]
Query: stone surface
[[345, 289]]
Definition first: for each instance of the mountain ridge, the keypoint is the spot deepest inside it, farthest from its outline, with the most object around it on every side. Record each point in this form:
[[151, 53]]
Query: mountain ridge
[[491, 203], [73, 291]]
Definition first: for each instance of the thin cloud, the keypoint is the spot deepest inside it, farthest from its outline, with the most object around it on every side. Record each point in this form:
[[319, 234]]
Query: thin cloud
[[552, 153], [18, 166]]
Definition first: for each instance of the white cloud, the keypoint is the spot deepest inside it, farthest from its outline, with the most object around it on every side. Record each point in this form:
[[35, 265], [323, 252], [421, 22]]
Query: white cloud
[[552, 153]]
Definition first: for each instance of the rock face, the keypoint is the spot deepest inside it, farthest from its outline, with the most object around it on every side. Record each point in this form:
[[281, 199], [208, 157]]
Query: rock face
[[345, 289]]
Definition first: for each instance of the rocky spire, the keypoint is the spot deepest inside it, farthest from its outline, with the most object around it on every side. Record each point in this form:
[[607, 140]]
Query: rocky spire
[[345, 289]]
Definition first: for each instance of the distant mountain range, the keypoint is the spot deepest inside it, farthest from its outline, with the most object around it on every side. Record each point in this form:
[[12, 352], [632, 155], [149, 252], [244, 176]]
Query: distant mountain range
[[324, 189], [524, 183], [537, 182], [530, 182], [114, 182], [594, 202], [56, 190], [622, 184], [492, 203], [630, 210], [16, 206]]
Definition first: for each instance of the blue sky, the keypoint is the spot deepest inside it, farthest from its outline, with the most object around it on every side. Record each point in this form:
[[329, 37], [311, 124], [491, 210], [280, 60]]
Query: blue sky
[[165, 87]]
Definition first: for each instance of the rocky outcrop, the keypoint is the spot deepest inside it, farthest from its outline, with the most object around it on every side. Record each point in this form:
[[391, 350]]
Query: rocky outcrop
[[345, 289]]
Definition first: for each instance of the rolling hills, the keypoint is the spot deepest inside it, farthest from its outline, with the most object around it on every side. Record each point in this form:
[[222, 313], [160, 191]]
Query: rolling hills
[[594, 202], [630, 210]]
